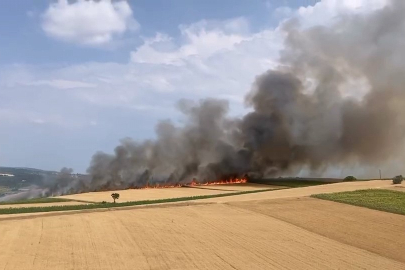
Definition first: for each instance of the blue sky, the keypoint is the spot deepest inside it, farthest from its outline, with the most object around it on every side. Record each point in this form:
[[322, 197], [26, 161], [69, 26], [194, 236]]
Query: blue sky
[[78, 76]]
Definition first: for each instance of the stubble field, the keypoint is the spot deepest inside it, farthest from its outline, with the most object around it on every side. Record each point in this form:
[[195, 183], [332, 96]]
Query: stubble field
[[260, 231], [2, 206], [165, 193]]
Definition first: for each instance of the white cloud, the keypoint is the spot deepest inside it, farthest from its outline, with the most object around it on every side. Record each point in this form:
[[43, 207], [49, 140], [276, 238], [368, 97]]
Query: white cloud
[[201, 39], [326, 11], [62, 84], [214, 59], [91, 23]]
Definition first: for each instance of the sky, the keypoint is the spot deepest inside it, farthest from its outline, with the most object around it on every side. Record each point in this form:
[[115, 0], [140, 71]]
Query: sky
[[78, 76]]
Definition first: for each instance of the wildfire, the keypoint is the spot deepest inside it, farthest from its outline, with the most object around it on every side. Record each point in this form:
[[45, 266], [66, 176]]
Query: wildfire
[[161, 186], [196, 183], [221, 182]]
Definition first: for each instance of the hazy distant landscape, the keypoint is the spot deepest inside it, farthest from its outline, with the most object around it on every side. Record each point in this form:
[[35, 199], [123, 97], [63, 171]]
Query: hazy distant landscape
[[17, 183]]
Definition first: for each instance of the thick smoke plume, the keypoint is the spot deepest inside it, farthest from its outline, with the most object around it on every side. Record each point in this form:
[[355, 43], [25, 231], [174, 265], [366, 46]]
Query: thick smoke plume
[[338, 97]]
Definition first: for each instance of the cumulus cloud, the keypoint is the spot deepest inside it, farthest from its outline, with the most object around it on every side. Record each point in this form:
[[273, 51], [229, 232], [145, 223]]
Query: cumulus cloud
[[201, 39], [327, 11], [91, 23], [210, 59]]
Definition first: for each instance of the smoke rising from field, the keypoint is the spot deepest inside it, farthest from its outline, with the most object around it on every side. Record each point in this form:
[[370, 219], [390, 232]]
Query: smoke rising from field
[[338, 97]]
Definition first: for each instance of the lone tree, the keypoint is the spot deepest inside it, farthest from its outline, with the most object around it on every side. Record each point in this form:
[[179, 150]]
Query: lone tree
[[115, 196]]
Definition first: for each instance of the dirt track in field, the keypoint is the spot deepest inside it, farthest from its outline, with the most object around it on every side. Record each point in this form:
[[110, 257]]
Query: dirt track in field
[[215, 236], [376, 231]]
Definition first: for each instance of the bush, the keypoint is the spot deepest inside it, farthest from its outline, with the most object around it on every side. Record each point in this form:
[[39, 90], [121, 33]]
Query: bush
[[103, 202], [350, 178], [397, 179]]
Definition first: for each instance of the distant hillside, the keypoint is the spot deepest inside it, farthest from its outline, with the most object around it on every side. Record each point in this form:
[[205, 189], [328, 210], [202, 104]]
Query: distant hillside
[[16, 179], [23, 170]]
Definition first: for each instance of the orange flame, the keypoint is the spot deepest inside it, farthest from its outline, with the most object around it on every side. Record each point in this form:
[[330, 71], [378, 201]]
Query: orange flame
[[196, 183], [221, 182]]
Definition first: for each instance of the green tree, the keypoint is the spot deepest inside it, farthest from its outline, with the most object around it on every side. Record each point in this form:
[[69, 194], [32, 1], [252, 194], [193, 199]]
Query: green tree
[[115, 196]]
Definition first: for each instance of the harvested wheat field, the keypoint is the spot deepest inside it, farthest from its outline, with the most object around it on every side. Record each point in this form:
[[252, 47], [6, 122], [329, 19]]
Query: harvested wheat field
[[306, 191], [212, 236], [237, 187], [164, 193], [143, 194], [252, 231], [372, 230], [40, 204]]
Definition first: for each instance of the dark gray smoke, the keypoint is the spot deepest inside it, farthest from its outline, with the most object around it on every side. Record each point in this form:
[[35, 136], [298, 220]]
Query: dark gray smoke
[[65, 182], [337, 98]]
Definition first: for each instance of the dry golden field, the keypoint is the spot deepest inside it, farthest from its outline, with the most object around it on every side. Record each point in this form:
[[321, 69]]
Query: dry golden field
[[163, 193], [39, 204], [376, 231], [213, 236], [253, 231], [306, 191], [238, 187]]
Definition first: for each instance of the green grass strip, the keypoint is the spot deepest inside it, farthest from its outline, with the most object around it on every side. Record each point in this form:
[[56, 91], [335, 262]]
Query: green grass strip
[[21, 210], [37, 200], [379, 199]]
